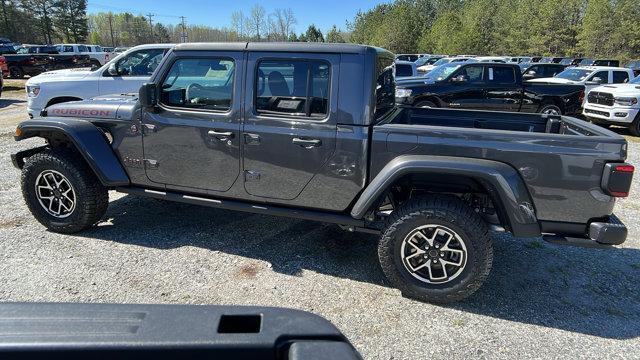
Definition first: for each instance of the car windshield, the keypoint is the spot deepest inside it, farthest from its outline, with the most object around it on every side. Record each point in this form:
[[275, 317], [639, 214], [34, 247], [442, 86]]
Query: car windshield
[[442, 72], [636, 80], [442, 62], [574, 74], [566, 61], [585, 62], [23, 50]]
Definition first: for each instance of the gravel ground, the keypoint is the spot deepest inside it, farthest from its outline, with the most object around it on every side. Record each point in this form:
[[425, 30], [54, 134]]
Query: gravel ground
[[540, 301]]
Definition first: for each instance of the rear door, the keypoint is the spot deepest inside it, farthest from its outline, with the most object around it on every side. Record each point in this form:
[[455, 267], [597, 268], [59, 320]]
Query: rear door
[[289, 121], [192, 140], [502, 90]]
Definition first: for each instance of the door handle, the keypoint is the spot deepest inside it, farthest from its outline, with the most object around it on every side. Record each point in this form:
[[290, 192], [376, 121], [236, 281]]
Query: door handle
[[307, 143], [220, 134]]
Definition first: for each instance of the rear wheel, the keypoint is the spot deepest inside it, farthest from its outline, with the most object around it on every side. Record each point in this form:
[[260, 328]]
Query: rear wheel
[[550, 109], [62, 192], [436, 249], [425, 104], [16, 72]]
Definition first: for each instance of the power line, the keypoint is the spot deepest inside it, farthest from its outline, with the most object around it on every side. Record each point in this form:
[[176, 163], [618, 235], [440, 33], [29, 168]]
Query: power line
[[183, 35]]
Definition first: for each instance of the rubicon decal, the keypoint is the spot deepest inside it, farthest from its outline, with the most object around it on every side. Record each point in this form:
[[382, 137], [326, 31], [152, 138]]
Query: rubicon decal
[[80, 112]]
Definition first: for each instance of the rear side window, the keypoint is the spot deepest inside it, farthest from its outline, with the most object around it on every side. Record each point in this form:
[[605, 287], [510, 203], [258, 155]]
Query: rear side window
[[199, 84], [67, 48], [620, 77], [404, 70], [292, 87], [501, 75], [385, 86]]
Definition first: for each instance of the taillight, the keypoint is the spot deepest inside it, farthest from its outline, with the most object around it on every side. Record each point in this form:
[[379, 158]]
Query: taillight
[[581, 99], [616, 180]]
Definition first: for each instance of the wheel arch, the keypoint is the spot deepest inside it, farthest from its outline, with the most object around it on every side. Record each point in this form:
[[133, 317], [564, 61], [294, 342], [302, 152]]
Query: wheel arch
[[61, 99], [552, 100], [81, 135], [501, 182], [428, 97]]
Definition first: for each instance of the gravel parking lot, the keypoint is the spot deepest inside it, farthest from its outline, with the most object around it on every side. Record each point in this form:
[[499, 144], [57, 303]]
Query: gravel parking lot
[[540, 301]]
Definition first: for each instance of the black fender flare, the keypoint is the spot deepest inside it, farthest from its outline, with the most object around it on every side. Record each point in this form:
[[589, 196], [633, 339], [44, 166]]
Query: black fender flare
[[503, 182], [88, 140]]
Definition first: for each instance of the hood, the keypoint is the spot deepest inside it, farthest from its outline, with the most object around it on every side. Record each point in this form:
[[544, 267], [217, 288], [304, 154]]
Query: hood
[[620, 89], [555, 80], [61, 75], [117, 106], [425, 68]]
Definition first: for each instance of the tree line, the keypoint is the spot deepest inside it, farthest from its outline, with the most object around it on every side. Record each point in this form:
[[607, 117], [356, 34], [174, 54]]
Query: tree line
[[593, 28], [44, 21]]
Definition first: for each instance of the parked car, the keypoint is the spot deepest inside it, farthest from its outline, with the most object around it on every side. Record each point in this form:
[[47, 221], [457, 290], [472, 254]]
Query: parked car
[[120, 49], [599, 62], [410, 57], [97, 58], [634, 65], [4, 66], [26, 64], [233, 126], [567, 61], [428, 60], [496, 59], [616, 104], [520, 59], [405, 69], [123, 74], [488, 86], [55, 60], [108, 49], [540, 70], [589, 76], [424, 69]]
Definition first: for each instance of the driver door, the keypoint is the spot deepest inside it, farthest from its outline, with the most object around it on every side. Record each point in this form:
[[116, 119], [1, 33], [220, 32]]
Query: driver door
[[134, 69]]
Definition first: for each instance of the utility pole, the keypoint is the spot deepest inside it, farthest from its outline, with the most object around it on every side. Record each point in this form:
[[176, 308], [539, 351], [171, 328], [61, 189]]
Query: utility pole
[[150, 16], [110, 17], [183, 35]]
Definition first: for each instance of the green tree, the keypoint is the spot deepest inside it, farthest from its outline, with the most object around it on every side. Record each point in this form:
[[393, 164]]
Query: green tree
[[594, 36], [70, 19], [313, 34], [441, 38], [335, 35]]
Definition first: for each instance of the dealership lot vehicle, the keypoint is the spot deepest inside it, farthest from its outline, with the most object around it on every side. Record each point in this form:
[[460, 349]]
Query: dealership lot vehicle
[[121, 75], [405, 69], [540, 70], [615, 105], [424, 69], [299, 143], [488, 86], [96, 56]]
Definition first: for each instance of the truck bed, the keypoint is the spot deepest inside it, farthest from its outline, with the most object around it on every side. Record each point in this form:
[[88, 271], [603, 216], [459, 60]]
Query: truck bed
[[561, 159]]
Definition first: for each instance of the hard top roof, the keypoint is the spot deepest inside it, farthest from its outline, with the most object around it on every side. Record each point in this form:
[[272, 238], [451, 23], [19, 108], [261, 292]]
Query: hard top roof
[[279, 47]]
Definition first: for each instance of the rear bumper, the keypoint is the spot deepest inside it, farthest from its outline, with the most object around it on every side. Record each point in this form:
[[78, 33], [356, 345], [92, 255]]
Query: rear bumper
[[605, 233]]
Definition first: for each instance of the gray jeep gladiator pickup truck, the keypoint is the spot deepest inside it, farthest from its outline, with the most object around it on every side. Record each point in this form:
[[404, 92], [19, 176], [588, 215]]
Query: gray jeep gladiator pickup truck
[[312, 131]]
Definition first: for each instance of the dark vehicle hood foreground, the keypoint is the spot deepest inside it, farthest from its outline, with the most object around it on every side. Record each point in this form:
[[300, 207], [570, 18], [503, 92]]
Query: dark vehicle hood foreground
[[116, 106]]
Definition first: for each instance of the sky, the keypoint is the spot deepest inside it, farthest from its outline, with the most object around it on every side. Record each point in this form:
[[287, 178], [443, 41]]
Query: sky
[[216, 13]]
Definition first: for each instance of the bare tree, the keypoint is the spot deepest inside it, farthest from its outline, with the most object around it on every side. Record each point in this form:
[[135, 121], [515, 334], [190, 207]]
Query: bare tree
[[239, 23], [284, 22], [258, 21]]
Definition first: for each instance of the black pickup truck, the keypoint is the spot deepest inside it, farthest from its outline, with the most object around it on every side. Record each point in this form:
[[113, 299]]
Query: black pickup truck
[[24, 64], [488, 86], [312, 131], [32, 60]]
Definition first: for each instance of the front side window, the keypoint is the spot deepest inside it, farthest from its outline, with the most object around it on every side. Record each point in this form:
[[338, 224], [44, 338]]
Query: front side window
[[140, 63], [292, 87], [602, 75], [68, 48], [620, 77], [199, 84], [472, 73], [404, 70]]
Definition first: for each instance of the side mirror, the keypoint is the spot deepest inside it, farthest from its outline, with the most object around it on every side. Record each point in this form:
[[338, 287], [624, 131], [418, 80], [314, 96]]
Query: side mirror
[[147, 95], [597, 80], [459, 79], [113, 71], [529, 75]]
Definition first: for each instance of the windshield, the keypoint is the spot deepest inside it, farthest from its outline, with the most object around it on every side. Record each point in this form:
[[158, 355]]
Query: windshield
[[574, 74], [586, 62], [22, 51], [566, 61], [635, 80], [442, 72], [442, 62]]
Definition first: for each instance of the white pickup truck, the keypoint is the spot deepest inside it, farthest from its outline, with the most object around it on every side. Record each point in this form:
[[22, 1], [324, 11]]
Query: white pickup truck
[[617, 104], [98, 57], [123, 74]]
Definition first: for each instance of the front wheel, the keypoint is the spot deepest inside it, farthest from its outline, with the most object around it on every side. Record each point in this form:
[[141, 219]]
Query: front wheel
[[436, 249], [634, 128], [62, 192], [550, 109]]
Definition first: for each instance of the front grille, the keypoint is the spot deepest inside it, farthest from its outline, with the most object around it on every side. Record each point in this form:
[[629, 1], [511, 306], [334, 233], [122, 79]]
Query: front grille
[[600, 98], [602, 113]]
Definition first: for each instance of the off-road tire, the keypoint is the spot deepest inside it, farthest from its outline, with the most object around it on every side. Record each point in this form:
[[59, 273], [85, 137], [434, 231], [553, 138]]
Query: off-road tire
[[634, 128], [91, 197], [442, 210]]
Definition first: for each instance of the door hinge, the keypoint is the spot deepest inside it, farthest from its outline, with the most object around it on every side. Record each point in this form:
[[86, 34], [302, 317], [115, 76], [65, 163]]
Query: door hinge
[[250, 175], [150, 164]]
